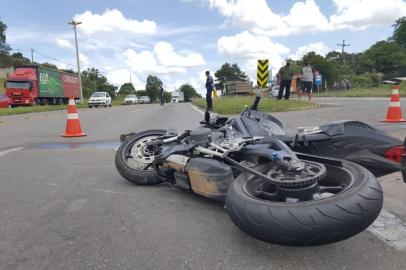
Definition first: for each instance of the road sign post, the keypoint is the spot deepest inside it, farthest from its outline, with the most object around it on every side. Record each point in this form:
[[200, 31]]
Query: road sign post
[[262, 74], [318, 81]]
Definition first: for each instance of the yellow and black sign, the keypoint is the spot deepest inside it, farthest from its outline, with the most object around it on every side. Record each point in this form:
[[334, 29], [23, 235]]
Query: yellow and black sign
[[263, 72]]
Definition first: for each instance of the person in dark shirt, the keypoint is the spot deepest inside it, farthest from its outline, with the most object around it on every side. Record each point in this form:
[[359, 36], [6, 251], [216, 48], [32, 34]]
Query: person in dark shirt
[[209, 88], [285, 75], [161, 95]]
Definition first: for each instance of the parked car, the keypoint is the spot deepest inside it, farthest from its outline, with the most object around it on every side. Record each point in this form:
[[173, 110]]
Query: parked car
[[4, 101], [130, 99], [274, 92], [99, 98], [144, 99]]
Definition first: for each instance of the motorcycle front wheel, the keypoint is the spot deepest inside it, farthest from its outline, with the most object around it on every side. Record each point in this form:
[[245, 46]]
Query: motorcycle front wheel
[[133, 158], [353, 201]]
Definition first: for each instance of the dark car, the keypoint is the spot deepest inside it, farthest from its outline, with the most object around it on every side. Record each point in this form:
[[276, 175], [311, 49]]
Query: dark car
[[4, 101]]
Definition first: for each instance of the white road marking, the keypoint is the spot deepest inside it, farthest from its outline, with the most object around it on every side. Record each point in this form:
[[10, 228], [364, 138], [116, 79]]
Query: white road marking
[[107, 191], [11, 150], [196, 108], [51, 184], [390, 229], [135, 111]]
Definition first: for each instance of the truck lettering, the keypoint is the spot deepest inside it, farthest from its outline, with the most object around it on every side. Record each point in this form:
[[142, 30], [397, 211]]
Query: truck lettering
[[43, 77], [70, 79]]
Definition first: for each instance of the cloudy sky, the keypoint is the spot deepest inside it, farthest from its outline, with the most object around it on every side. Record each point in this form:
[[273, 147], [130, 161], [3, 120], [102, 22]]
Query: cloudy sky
[[179, 39]]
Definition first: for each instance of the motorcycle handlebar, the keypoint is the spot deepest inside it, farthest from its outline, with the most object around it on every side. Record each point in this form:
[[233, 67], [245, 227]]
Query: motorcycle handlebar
[[256, 103]]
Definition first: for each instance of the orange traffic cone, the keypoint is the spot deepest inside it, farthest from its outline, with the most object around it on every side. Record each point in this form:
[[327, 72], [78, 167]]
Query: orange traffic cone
[[73, 128], [394, 111]]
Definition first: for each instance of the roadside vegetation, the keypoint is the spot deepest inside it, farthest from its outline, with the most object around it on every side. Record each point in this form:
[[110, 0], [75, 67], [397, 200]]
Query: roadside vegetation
[[234, 105], [380, 91]]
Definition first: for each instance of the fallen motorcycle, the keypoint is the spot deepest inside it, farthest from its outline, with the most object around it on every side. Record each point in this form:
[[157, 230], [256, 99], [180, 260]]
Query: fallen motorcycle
[[316, 187]]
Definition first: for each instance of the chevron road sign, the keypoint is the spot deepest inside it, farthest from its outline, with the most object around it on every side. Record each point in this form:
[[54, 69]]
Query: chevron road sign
[[263, 72]]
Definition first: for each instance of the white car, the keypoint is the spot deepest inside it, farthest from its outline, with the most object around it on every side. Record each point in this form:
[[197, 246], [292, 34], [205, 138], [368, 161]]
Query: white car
[[99, 98], [275, 91], [130, 99], [144, 99]]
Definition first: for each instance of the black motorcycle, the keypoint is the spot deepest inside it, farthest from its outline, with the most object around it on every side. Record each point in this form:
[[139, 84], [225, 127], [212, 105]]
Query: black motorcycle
[[316, 187]]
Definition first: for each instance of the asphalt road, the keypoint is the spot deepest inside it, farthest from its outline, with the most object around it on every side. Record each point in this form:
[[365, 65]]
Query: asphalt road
[[64, 206]]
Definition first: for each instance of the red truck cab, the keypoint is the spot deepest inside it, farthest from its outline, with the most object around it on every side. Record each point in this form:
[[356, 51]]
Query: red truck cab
[[22, 86]]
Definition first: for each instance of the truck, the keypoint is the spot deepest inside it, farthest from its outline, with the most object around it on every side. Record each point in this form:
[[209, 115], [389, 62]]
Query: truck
[[178, 96], [37, 85]]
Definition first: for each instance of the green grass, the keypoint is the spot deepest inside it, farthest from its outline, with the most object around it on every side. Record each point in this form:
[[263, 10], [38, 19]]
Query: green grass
[[381, 91], [234, 105], [35, 109]]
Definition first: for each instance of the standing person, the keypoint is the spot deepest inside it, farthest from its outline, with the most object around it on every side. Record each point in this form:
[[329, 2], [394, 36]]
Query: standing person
[[285, 76], [161, 95], [308, 74], [209, 88]]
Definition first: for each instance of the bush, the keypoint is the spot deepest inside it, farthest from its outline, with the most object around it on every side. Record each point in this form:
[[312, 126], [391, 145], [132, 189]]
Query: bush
[[367, 80]]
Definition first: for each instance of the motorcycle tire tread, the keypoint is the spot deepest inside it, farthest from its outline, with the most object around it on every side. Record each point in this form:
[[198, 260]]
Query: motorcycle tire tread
[[311, 223]]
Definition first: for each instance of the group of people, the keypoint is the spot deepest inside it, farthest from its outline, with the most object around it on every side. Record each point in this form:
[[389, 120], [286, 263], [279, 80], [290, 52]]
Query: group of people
[[285, 76]]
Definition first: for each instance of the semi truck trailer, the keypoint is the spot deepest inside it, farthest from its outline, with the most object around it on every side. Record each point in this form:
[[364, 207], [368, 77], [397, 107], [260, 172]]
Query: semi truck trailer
[[36, 85]]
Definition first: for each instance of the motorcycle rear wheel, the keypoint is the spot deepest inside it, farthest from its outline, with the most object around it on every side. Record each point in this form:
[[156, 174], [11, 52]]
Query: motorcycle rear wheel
[[307, 223], [134, 174]]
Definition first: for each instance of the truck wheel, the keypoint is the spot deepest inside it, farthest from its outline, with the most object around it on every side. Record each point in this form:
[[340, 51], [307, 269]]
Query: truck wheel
[[90, 106], [352, 201]]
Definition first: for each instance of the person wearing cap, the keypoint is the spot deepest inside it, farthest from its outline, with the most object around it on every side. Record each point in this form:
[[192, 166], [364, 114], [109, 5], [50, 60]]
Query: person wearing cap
[[307, 80], [285, 75], [209, 90]]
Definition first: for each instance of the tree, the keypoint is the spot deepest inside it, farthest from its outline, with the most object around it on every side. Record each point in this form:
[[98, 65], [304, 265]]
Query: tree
[[126, 89], [384, 57], [49, 65], [140, 93], [189, 91], [231, 73], [17, 59], [167, 97], [152, 87], [399, 34], [4, 47], [94, 81], [325, 67]]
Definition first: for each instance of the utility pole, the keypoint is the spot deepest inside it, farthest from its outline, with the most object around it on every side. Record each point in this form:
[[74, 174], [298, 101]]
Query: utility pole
[[343, 45], [32, 56], [75, 23]]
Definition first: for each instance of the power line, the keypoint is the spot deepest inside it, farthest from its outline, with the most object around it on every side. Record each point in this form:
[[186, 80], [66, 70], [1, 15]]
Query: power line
[[53, 58]]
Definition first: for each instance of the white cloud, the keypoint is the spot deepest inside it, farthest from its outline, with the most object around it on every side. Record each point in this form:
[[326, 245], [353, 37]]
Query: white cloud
[[113, 20], [252, 47], [305, 16], [162, 60], [257, 16], [120, 76], [64, 43], [317, 47], [84, 61], [360, 14], [247, 45], [166, 56]]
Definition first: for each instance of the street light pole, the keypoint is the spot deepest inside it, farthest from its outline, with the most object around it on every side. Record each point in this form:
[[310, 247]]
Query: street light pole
[[75, 23]]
